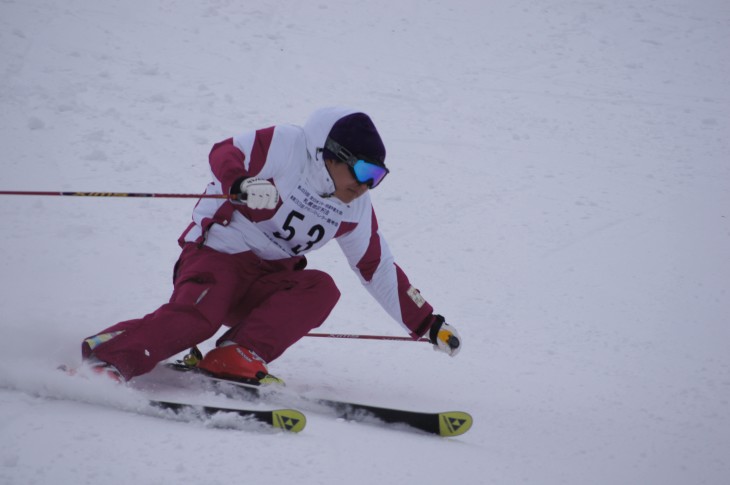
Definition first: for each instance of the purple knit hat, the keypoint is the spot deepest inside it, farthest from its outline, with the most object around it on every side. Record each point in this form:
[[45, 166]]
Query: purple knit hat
[[357, 133]]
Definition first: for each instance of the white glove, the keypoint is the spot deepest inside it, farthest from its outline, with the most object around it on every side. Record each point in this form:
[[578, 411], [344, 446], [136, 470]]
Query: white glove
[[260, 193], [444, 337]]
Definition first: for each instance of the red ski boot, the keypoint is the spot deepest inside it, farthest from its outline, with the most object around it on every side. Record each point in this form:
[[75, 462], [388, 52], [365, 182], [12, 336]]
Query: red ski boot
[[94, 366], [237, 364]]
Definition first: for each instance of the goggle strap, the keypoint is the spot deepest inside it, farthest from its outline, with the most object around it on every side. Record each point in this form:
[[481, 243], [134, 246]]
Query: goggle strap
[[340, 152], [344, 154]]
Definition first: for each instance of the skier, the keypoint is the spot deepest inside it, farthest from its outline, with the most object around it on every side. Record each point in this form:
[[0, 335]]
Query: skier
[[242, 261]]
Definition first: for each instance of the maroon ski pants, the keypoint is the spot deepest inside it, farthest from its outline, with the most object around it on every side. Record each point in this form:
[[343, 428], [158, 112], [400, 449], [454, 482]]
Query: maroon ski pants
[[269, 305]]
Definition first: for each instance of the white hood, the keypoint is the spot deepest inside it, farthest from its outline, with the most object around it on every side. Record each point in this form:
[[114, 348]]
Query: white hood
[[319, 125], [316, 129]]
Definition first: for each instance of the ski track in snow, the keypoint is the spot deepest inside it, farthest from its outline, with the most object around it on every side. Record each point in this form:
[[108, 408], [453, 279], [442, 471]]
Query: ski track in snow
[[559, 190]]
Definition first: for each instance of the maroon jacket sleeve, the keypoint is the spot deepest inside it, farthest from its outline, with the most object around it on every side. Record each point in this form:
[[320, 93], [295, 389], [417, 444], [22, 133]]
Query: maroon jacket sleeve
[[226, 162]]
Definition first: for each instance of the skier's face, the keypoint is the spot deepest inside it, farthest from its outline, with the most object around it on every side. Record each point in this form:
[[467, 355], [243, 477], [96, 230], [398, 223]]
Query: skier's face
[[347, 188]]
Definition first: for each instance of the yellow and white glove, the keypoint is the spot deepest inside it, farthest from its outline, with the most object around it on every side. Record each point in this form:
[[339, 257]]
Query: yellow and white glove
[[444, 337]]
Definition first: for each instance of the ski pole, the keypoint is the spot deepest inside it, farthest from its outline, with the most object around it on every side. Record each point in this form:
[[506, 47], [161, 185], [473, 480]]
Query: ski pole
[[194, 356], [116, 194], [197, 196], [365, 337]]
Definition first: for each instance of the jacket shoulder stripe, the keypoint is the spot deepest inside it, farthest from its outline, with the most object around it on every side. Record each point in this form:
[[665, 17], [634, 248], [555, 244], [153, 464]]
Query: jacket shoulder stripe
[[260, 150], [370, 261]]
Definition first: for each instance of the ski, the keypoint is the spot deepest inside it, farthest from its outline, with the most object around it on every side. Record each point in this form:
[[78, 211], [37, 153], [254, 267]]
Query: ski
[[290, 420], [446, 424], [285, 419]]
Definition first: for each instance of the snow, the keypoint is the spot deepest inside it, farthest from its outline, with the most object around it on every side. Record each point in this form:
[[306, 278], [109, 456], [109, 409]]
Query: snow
[[560, 190]]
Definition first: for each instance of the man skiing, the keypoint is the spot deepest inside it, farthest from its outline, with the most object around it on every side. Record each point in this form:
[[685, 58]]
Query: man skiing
[[293, 189]]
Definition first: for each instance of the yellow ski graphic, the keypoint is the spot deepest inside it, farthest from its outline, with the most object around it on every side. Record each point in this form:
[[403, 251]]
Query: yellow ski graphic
[[289, 420], [454, 423]]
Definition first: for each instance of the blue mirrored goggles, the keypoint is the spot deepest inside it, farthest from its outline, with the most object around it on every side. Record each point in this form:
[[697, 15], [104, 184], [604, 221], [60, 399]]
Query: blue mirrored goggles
[[364, 171]]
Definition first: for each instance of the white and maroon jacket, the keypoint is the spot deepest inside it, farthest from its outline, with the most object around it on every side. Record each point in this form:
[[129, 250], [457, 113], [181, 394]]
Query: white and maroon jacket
[[306, 217]]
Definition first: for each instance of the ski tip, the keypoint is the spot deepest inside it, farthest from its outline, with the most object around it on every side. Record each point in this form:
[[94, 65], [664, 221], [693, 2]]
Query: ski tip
[[454, 423], [289, 420]]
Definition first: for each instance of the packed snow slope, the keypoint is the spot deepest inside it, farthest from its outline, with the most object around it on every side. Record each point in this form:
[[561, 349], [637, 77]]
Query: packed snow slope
[[560, 191]]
